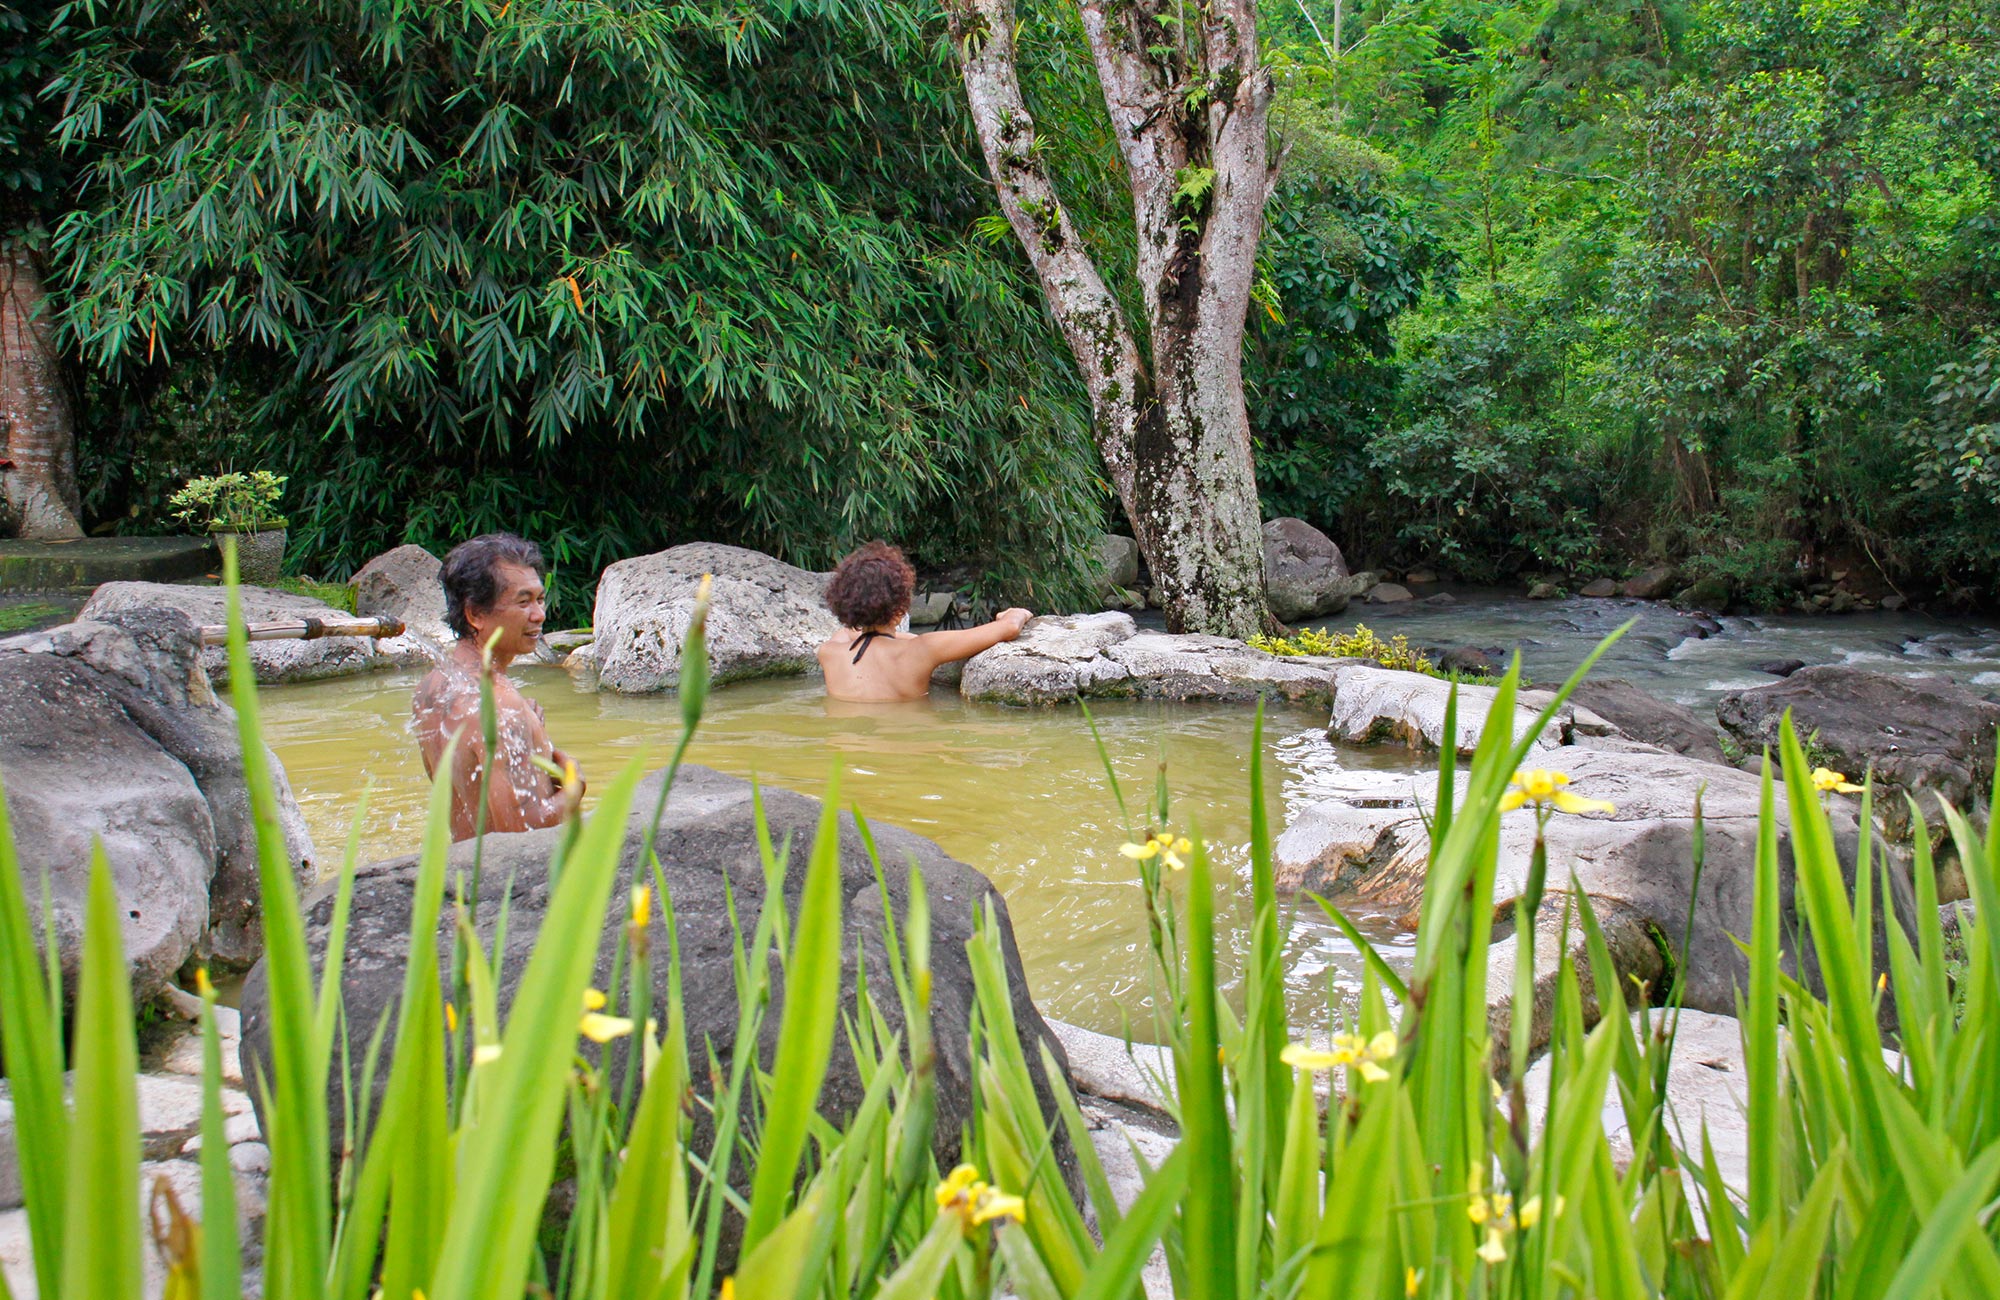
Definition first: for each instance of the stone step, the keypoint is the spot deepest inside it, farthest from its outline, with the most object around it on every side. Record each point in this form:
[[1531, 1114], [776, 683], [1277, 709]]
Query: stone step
[[89, 561]]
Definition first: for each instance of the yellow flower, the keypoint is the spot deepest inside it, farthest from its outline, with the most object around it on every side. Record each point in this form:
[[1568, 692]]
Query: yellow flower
[[956, 1184], [486, 1054], [642, 905], [600, 1028], [728, 1283], [1544, 789], [1413, 1277], [1494, 1250], [1345, 1049], [202, 984], [998, 1205], [975, 1202], [593, 1000], [1827, 781], [1167, 847], [1531, 1211], [450, 1018]]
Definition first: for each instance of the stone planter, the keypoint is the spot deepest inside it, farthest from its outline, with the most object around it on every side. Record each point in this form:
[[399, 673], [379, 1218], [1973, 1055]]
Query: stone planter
[[260, 556]]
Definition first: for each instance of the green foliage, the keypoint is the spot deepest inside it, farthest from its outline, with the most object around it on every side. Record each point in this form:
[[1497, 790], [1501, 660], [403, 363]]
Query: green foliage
[[446, 266], [29, 615], [1361, 643], [1713, 257], [235, 502], [1342, 258], [340, 595]]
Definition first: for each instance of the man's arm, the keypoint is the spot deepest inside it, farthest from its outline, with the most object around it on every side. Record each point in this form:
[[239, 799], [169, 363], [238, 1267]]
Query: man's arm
[[948, 647]]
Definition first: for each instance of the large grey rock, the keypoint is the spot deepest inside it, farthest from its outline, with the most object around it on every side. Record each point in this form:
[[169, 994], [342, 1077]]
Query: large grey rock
[[766, 618], [1636, 864], [1650, 584], [1372, 705], [1117, 563], [1104, 656], [110, 732], [1304, 573], [404, 584], [1922, 736], [708, 845], [272, 661]]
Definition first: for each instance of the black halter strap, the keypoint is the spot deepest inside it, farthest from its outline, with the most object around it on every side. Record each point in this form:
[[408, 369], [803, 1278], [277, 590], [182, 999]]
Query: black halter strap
[[862, 642]]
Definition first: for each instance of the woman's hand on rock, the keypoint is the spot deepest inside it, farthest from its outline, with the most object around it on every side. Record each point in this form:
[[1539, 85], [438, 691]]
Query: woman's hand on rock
[[1015, 619]]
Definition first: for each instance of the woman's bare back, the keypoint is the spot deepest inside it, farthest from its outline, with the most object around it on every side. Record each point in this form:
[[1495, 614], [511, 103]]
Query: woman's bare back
[[879, 665]]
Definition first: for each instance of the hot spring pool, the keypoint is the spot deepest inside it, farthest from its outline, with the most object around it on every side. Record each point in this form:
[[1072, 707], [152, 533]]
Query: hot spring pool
[[1019, 794]]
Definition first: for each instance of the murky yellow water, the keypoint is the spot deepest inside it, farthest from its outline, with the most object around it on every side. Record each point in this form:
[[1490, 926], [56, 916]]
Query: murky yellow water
[[1020, 794]]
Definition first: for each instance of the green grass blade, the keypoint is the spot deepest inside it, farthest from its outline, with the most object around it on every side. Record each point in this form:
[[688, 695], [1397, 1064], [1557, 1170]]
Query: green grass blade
[[334, 962], [1373, 959], [651, 1240], [101, 1228], [1127, 1247], [221, 1254], [31, 1043], [507, 1157], [1760, 1025], [1208, 1214], [1950, 1223], [923, 1271], [298, 1220], [805, 1033]]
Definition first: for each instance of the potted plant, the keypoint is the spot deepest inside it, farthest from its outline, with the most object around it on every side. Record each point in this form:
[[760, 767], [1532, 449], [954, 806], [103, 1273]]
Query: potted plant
[[243, 506]]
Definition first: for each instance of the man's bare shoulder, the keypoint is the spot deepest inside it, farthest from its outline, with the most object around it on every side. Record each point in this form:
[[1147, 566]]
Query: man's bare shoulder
[[444, 686]]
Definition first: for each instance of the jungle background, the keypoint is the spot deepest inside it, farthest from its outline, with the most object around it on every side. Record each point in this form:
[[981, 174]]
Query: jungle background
[[1548, 288]]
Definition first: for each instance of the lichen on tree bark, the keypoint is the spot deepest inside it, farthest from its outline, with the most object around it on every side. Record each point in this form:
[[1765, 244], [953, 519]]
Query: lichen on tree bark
[[1189, 113]]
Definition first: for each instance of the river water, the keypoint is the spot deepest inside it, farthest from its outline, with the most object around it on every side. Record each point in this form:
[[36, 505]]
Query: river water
[[1665, 654], [1023, 795]]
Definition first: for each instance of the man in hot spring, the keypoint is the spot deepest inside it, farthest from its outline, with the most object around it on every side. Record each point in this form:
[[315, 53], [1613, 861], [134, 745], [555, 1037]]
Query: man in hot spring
[[495, 602]]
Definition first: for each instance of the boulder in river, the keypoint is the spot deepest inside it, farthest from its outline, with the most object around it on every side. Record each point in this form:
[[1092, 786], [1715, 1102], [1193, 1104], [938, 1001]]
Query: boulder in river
[[109, 732], [273, 661], [1060, 659], [1389, 593], [404, 584], [1599, 588], [1922, 735], [708, 847], [1305, 574], [1650, 584], [766, 618], [1372, 705]]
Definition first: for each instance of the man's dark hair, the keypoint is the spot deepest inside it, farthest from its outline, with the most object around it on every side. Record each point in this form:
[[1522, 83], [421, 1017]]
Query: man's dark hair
[[468, 573], [871, 587]]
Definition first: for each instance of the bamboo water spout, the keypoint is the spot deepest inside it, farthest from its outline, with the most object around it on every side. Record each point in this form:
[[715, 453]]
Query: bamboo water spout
[[307, 629]]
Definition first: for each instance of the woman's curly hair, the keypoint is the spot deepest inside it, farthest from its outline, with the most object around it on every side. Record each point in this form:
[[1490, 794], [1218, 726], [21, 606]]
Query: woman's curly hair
[[872, 587]]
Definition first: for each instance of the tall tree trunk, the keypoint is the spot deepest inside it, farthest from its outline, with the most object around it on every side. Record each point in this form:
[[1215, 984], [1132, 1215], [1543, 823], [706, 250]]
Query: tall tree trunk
[[1188, 108], [36, 429]]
